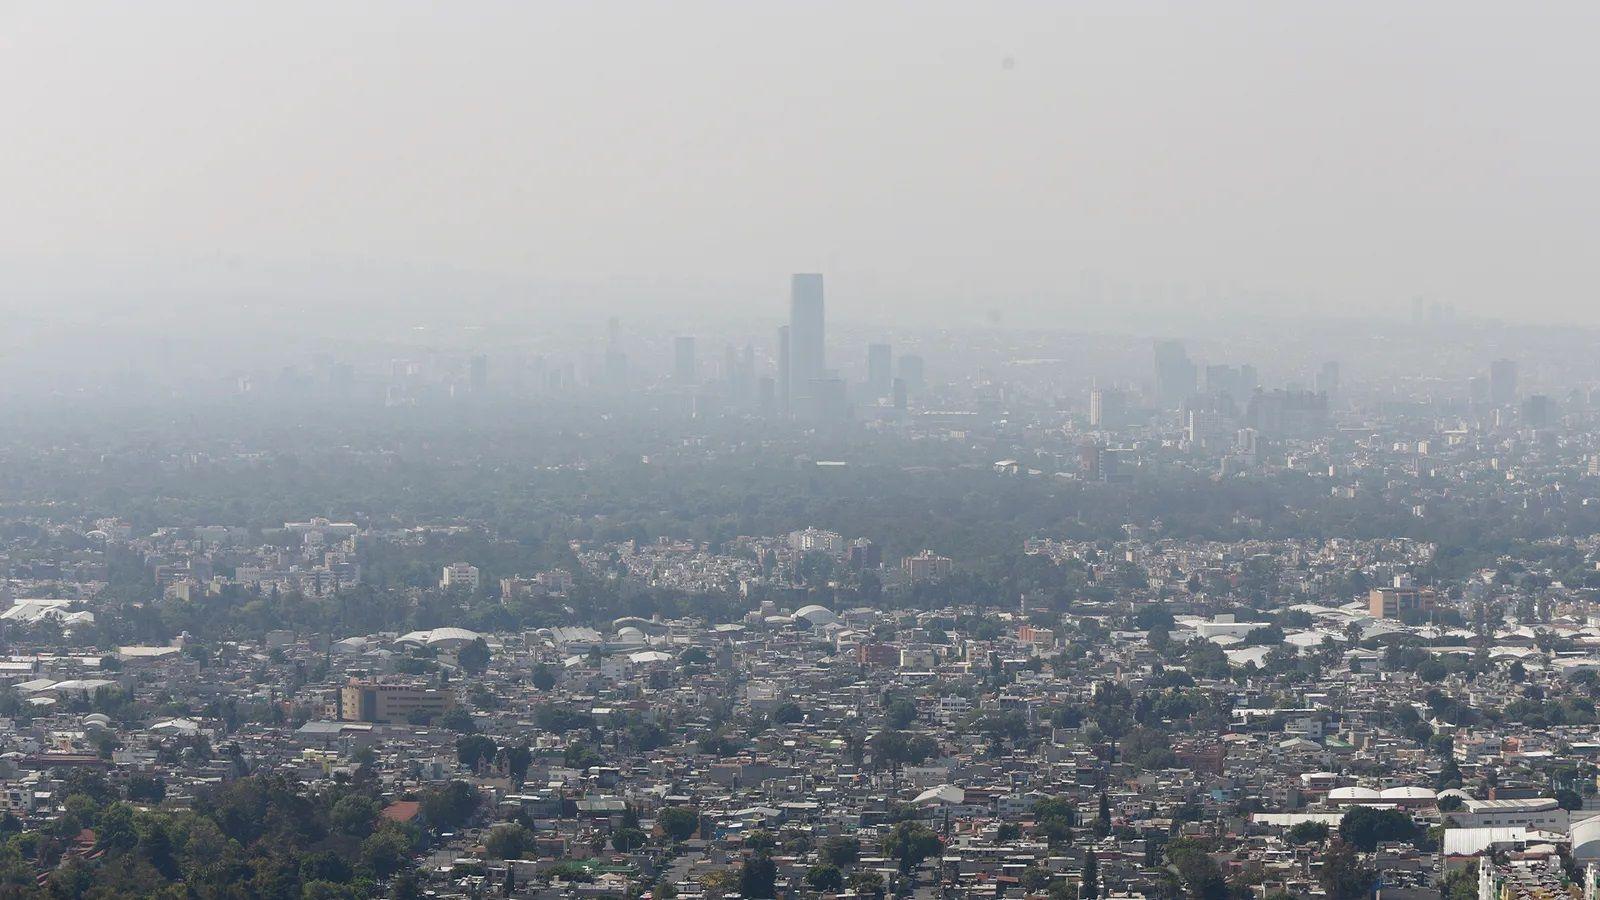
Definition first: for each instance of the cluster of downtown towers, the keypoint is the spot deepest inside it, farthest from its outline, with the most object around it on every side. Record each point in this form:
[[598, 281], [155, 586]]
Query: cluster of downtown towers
[[805, 387]]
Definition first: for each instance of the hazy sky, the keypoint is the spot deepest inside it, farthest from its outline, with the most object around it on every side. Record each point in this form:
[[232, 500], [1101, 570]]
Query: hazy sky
[[1358, 154]]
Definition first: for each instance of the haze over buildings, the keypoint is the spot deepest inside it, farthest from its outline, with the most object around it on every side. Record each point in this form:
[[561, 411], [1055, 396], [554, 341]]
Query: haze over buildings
[[1091, 451], [1058, 158]]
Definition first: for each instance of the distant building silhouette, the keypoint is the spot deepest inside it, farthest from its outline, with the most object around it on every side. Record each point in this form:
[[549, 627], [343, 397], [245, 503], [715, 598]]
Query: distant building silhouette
[[1503, 382], [1175, 373], [1328, 379], [880, 370], [785, 390], [1538, 411], [1284, 413], [807, 336], [914, 373], [1108, 408]]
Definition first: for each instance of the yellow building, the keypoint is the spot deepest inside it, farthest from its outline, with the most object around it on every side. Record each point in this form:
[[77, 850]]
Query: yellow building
[[378, 701], [1390, 602]]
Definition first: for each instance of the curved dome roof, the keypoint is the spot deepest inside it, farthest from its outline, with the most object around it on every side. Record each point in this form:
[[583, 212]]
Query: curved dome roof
[[437, 637], [100, 719], [816, 615], [449, 635], [1407, 792], [630, 635], [644, 625], [1354, 794], [1586, 840]]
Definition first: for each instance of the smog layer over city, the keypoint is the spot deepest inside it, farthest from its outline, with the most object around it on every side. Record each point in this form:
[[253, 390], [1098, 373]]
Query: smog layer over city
[[741, 451]]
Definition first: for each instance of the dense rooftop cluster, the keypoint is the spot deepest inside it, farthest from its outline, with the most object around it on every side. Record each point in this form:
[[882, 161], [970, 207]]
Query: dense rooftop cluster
[[1149, 716]]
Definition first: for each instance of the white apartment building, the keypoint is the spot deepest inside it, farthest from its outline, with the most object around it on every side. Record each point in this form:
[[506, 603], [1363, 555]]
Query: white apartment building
[[459, 575]]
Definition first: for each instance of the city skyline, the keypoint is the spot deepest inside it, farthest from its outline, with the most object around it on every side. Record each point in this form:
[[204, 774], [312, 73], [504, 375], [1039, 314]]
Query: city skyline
[[1108, 450]]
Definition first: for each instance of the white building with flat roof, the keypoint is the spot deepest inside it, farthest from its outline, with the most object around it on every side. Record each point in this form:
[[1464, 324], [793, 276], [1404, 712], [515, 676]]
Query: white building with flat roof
[[459, 575]]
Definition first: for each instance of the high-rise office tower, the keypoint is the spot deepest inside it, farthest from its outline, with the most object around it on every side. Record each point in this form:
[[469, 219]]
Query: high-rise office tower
[[783, 370], [1247, 441], [807, 353], [341, 379], [478, 373], [1328, 379], [913, 373], [616, 361], [1478, 389], [1538, 411], [1091, 460], [1208, 428], [880, 366], [1108, 408], [829, 400], [767, 394], [683, 365], [1287, 413], [1175, 373], [742, 383], [1229, 380], [1502, 382]]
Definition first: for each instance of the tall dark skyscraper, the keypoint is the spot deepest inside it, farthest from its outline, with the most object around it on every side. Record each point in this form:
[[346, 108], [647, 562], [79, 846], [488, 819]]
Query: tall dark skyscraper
[[880, 369], [783, 386], [616, 360], [1328, 379], [1108, 408], [1538, 411], [1175, 373], [914, 373], [1502, 382], [807, 357], [1221, 379]]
